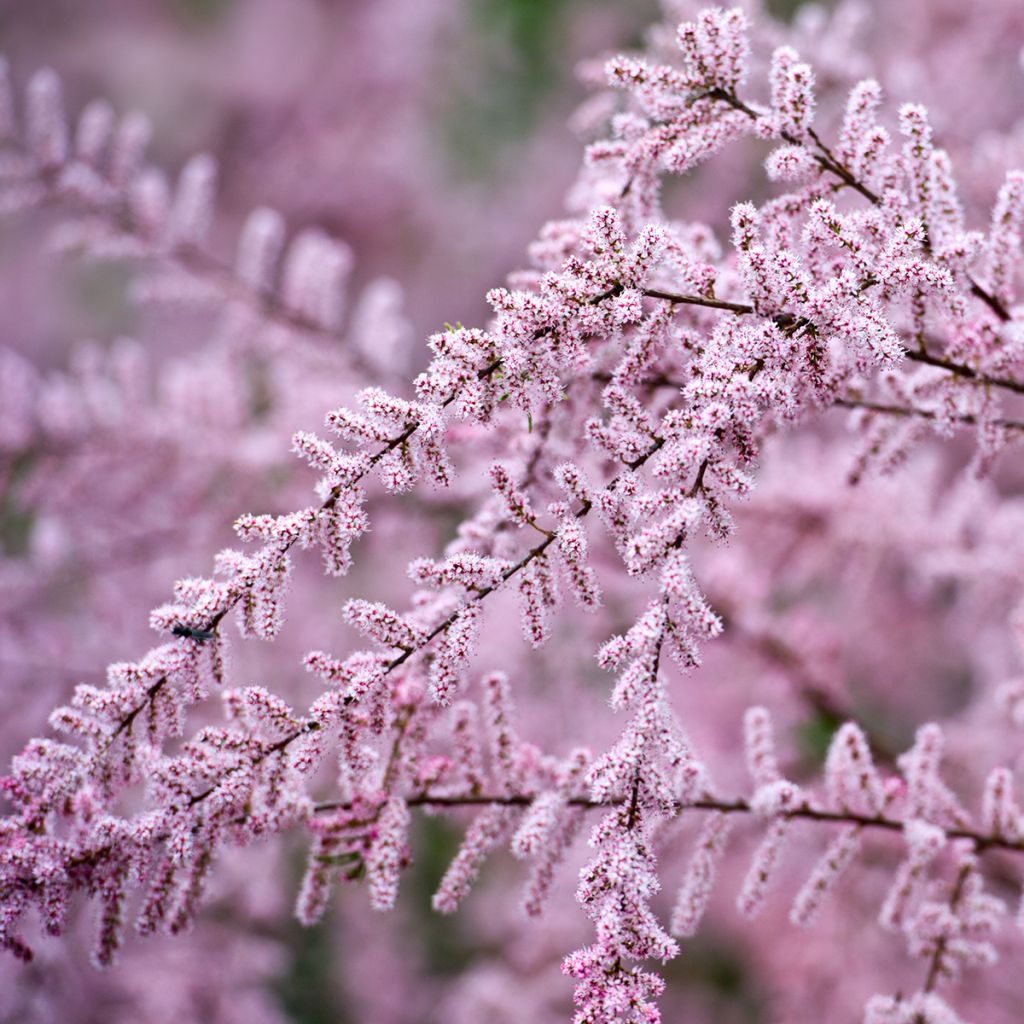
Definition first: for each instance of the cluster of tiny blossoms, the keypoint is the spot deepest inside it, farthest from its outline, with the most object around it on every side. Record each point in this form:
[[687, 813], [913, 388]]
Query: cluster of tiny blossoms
[[636, 372]]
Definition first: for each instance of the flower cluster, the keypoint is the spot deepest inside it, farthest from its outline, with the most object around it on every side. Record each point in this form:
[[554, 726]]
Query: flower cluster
[[640, 394]]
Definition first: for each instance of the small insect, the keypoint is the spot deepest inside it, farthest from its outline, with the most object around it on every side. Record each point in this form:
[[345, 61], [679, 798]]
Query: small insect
[[193, 634]]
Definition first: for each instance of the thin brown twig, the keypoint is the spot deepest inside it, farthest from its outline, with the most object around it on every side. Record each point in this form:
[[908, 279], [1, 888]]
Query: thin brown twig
[[739, 805]]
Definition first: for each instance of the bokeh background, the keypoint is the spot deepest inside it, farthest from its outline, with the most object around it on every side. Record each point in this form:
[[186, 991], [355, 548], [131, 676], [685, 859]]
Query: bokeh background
[[428, 134]]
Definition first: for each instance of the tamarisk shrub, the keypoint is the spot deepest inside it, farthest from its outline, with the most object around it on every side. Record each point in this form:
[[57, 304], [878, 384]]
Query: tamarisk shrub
[[721, 483]]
